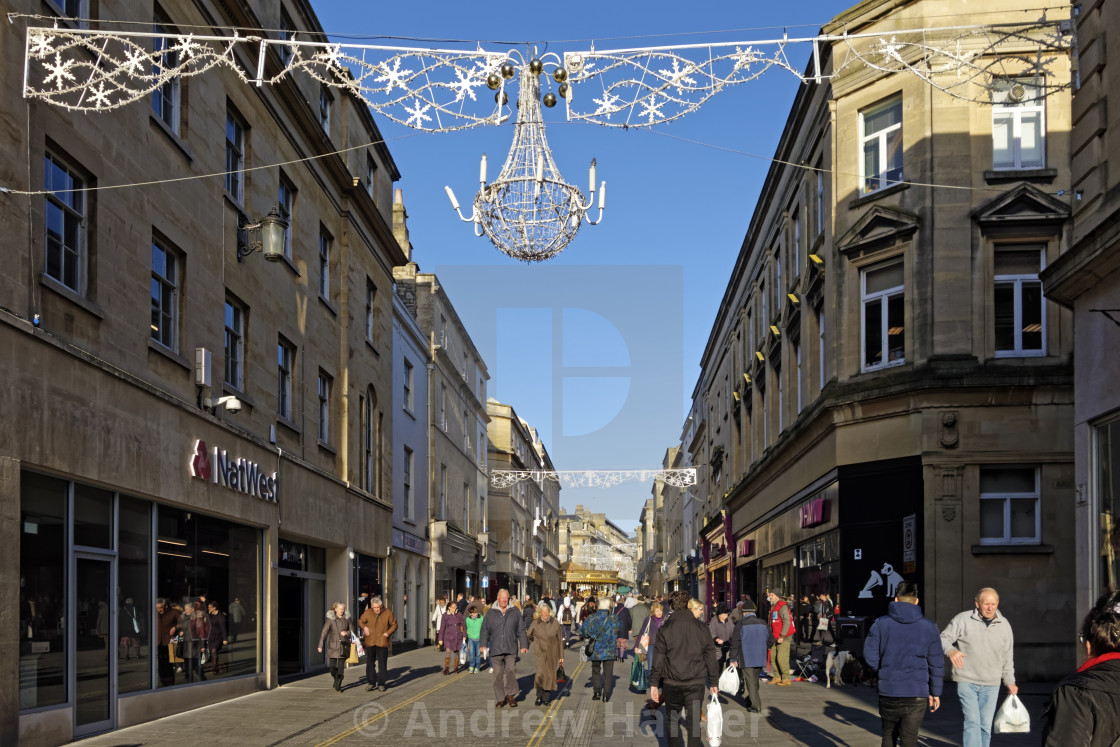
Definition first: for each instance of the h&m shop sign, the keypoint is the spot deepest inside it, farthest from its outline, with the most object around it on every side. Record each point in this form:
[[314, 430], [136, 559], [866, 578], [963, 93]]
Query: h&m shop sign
[[215, 466]]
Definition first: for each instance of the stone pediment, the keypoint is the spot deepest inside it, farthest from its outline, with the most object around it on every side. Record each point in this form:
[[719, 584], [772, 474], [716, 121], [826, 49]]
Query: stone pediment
[[1026, 204], [878, 228]]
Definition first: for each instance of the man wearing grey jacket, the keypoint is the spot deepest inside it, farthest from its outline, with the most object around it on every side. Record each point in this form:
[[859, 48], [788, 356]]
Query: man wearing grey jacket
[[500, 637], [980, 645]]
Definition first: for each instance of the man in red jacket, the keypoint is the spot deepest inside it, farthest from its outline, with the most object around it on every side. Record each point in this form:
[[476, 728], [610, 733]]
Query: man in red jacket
[[781, 624]]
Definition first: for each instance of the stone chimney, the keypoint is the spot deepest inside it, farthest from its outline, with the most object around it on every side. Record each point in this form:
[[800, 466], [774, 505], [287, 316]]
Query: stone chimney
[[400, 223]]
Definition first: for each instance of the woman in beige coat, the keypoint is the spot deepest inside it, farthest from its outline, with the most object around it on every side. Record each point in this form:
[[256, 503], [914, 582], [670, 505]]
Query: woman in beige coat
[[548, 648]]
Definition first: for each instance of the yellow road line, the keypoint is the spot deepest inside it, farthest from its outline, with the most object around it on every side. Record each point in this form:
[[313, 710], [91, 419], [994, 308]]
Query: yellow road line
[[387, 711], [538, 735]]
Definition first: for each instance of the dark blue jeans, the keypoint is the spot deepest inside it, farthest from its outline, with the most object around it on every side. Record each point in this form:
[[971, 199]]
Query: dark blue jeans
[[902, 718]]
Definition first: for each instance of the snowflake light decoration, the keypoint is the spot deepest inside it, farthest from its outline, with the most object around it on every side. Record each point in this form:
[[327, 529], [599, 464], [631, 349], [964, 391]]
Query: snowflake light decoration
[[529, 212], [678, 478]]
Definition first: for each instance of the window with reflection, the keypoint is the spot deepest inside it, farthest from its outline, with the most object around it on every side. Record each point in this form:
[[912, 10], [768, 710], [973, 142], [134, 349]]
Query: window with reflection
[[213, 565], [134, 616], [43, 668]]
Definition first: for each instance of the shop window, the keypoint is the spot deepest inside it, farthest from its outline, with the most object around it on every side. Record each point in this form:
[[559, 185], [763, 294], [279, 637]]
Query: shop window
[[43, 617], [1108, 503], [1018, 125], [134, 542], [1019, 308], [881, 142], [883, 311], [203, 559], [1009, 511], [93, 517]]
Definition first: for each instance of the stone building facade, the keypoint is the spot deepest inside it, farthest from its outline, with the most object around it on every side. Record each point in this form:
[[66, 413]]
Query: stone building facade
[[410, 559], [457, 462], [519, 513], [885, 394], [124, 479], [1086, 280]]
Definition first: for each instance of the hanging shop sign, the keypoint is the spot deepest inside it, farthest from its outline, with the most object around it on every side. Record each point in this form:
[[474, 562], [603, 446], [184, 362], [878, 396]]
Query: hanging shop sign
[[214, 465], [746, 548], [814, 512]]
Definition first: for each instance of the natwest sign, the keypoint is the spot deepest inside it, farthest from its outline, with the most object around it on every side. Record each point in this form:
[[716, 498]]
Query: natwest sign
[[215, 466]]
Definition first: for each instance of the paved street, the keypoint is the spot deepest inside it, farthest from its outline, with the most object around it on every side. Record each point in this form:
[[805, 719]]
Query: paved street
[[422, 707]]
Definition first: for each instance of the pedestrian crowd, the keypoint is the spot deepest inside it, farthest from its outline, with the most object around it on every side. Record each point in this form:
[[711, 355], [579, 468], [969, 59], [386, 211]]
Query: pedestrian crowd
[[678, 652]]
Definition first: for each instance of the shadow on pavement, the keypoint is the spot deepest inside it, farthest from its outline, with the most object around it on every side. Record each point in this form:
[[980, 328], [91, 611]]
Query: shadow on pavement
[[803, 730], [404, 675]]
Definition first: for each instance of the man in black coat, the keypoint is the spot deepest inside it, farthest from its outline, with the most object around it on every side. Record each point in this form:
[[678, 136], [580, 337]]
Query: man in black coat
[[684, 655], [624, 625]]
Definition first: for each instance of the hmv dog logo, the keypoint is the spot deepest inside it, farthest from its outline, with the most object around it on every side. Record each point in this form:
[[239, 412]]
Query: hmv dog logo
[[215, 466]]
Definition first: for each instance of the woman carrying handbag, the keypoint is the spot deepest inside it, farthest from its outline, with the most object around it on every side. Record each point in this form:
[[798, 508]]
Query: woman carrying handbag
[[337, 634]]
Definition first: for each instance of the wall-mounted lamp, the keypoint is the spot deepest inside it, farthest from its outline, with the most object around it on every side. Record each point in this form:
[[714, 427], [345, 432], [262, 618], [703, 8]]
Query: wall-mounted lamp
[[758, 354], [231, 403], [793, 299], [816, 260], [747, 378], [775, 331], [270, 229]]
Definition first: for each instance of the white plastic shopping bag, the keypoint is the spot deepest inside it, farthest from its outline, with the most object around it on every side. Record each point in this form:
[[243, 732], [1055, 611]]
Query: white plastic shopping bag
[[714, 712], [463, 654], [1012, 717], [729, 681]]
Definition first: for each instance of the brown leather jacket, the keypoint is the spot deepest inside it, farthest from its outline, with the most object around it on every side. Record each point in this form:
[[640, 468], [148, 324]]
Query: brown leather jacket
[[378, 625]]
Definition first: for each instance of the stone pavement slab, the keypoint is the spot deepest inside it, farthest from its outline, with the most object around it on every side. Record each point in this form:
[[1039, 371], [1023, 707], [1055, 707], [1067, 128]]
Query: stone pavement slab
[[423, 707]]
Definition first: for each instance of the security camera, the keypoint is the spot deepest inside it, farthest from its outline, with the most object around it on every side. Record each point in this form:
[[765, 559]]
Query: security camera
[[231, 403]]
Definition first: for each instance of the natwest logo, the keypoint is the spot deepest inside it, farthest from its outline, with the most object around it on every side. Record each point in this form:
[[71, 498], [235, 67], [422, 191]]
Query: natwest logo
[[215, 466]]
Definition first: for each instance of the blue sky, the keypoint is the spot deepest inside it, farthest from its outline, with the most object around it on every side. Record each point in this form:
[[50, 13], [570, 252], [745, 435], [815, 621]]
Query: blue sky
[[600, 347]]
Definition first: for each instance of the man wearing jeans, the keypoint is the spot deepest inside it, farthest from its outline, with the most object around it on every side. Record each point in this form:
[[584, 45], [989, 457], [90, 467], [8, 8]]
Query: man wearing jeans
[[905, 650], [980, 644]]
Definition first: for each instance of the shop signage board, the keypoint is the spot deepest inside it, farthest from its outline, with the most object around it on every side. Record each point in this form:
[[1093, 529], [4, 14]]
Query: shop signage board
[[909, 543], [214, 465]]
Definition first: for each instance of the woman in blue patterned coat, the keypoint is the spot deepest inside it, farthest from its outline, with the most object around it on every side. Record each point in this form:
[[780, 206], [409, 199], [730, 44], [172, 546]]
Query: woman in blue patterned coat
[[602, 630]]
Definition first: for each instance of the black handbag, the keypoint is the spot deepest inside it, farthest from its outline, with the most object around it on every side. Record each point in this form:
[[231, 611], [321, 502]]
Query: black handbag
[[561, 676], [344, 646]]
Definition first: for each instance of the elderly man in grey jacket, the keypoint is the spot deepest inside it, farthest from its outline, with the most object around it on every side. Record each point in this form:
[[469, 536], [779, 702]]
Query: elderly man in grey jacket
[[980, 645], [502, 634]]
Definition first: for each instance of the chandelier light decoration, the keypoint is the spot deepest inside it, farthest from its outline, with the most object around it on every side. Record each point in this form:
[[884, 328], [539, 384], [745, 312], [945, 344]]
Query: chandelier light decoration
[[529, 212], [590, 478]]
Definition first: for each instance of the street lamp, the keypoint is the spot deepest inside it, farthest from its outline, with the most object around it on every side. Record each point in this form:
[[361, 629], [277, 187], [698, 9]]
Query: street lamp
[[270, 229]]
